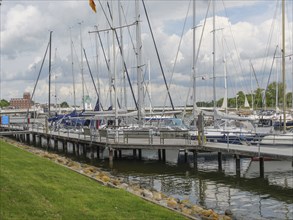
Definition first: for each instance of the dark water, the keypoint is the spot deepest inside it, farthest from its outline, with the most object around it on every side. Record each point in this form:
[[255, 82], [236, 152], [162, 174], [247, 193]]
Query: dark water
[[248, 196]]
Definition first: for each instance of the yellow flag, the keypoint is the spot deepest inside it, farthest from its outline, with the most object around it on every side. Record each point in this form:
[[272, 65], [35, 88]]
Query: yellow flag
[[93, 5]]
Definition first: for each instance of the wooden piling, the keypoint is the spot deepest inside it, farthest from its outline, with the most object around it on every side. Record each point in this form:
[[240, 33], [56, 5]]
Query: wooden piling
[[220, 161], [237, 165], [261, 167], [164, 155], [159, 154]]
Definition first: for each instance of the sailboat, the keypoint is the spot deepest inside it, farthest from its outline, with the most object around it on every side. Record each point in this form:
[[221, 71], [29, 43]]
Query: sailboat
[[284, 138]]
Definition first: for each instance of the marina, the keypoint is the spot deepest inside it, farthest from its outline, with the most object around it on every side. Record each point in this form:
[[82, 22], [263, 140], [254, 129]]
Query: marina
[[182, 99]]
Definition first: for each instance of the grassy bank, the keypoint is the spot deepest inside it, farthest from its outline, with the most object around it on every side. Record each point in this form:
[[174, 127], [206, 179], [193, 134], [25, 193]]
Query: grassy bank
[[32, 187]]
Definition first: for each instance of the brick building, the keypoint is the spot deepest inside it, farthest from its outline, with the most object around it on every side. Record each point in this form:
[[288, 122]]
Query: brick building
[[22, 103]]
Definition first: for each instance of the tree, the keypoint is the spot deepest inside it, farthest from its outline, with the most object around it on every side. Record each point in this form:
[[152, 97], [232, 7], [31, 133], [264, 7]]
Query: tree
[[4, 103], [64, 105]]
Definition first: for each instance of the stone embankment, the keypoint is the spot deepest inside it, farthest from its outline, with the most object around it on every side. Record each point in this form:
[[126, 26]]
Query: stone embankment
[[184, 207]]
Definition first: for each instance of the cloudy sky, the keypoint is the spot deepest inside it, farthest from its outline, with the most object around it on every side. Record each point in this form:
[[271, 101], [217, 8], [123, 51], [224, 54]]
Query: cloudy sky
[[248, 33]]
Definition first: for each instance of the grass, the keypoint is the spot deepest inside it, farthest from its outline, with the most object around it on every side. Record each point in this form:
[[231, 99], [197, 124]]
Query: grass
[[32, 187]]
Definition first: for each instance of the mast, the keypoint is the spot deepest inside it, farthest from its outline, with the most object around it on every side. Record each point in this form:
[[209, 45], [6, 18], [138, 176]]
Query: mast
[[193, 61], [49, 98], [122, 55], [283, 65], [214, 58], [72, 69], [138, 60], [81, 64]]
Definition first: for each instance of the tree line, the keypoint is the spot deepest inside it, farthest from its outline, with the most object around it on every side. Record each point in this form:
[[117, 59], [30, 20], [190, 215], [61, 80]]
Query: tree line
[[260, 98]]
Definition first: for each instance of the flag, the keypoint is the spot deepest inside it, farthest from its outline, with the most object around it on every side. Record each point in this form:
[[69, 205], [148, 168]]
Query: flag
[[93, 5]]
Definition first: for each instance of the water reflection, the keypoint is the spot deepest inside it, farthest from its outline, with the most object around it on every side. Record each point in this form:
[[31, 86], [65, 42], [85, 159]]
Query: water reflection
[[249, 196]]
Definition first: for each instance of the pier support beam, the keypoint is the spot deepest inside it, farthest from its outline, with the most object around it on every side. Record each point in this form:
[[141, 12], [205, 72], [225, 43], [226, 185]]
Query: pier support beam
[[237, 165], [115, 154], [111, 157], [98, 152], [55, 144], [220, 168], [84, 150], [28, 141], [195, 160], [139, 154], [159, 154], [34, 140], [73, 148], [134, 153], [185, 156], [48, 144], [77, 150], [40, 141], [92, 152], [261, 167], [164, 155], [120, 153]]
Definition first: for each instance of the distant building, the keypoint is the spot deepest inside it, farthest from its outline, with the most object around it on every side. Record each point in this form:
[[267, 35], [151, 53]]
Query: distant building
[[22, 103]]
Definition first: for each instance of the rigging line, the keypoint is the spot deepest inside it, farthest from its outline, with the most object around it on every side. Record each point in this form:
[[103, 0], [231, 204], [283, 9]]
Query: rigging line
[[92, 77], [157, 52], [200, 42], [178, 49], [33, 93], [128, 28], [125, 67], [40, 71], [270, 72], [269, 41]]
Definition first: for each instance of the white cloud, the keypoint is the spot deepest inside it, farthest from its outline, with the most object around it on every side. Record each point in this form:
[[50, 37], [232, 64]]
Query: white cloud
[[25, 35]]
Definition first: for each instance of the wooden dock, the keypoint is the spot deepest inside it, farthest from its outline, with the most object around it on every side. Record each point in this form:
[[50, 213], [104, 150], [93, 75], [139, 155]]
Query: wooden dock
[[116, 142]]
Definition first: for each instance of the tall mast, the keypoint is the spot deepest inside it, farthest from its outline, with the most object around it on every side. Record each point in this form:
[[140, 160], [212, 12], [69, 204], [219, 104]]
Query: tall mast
[[72, 69], [114, 69], [49, 98], [214, 57], [81, 64], [283, 64], [138, 56], [122, 55], [97, 65], [193, 61]]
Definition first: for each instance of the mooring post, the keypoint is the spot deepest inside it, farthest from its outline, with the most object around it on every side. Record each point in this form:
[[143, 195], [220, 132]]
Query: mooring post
[[261, 167], [185, 156], [134, 153], [55, 144], [84, 150], [111, 157], [164, 154], [34, 140], [77, 150], [98, 152], [92, 152], [28, 141], [195, 159], [40, 141], [159, 154], [237, 165], [63, 146], [220, 161], [115, 154], [48, 143]]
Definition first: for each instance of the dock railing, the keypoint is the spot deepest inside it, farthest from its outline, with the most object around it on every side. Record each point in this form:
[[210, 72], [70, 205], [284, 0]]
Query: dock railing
[[144, 134], [167, 134]]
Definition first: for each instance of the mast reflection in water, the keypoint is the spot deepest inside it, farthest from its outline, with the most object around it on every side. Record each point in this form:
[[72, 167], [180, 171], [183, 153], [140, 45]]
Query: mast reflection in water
[[247, 196]]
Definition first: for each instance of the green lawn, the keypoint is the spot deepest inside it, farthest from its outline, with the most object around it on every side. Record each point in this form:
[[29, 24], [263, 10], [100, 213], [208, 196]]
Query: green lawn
[[32, 187]]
